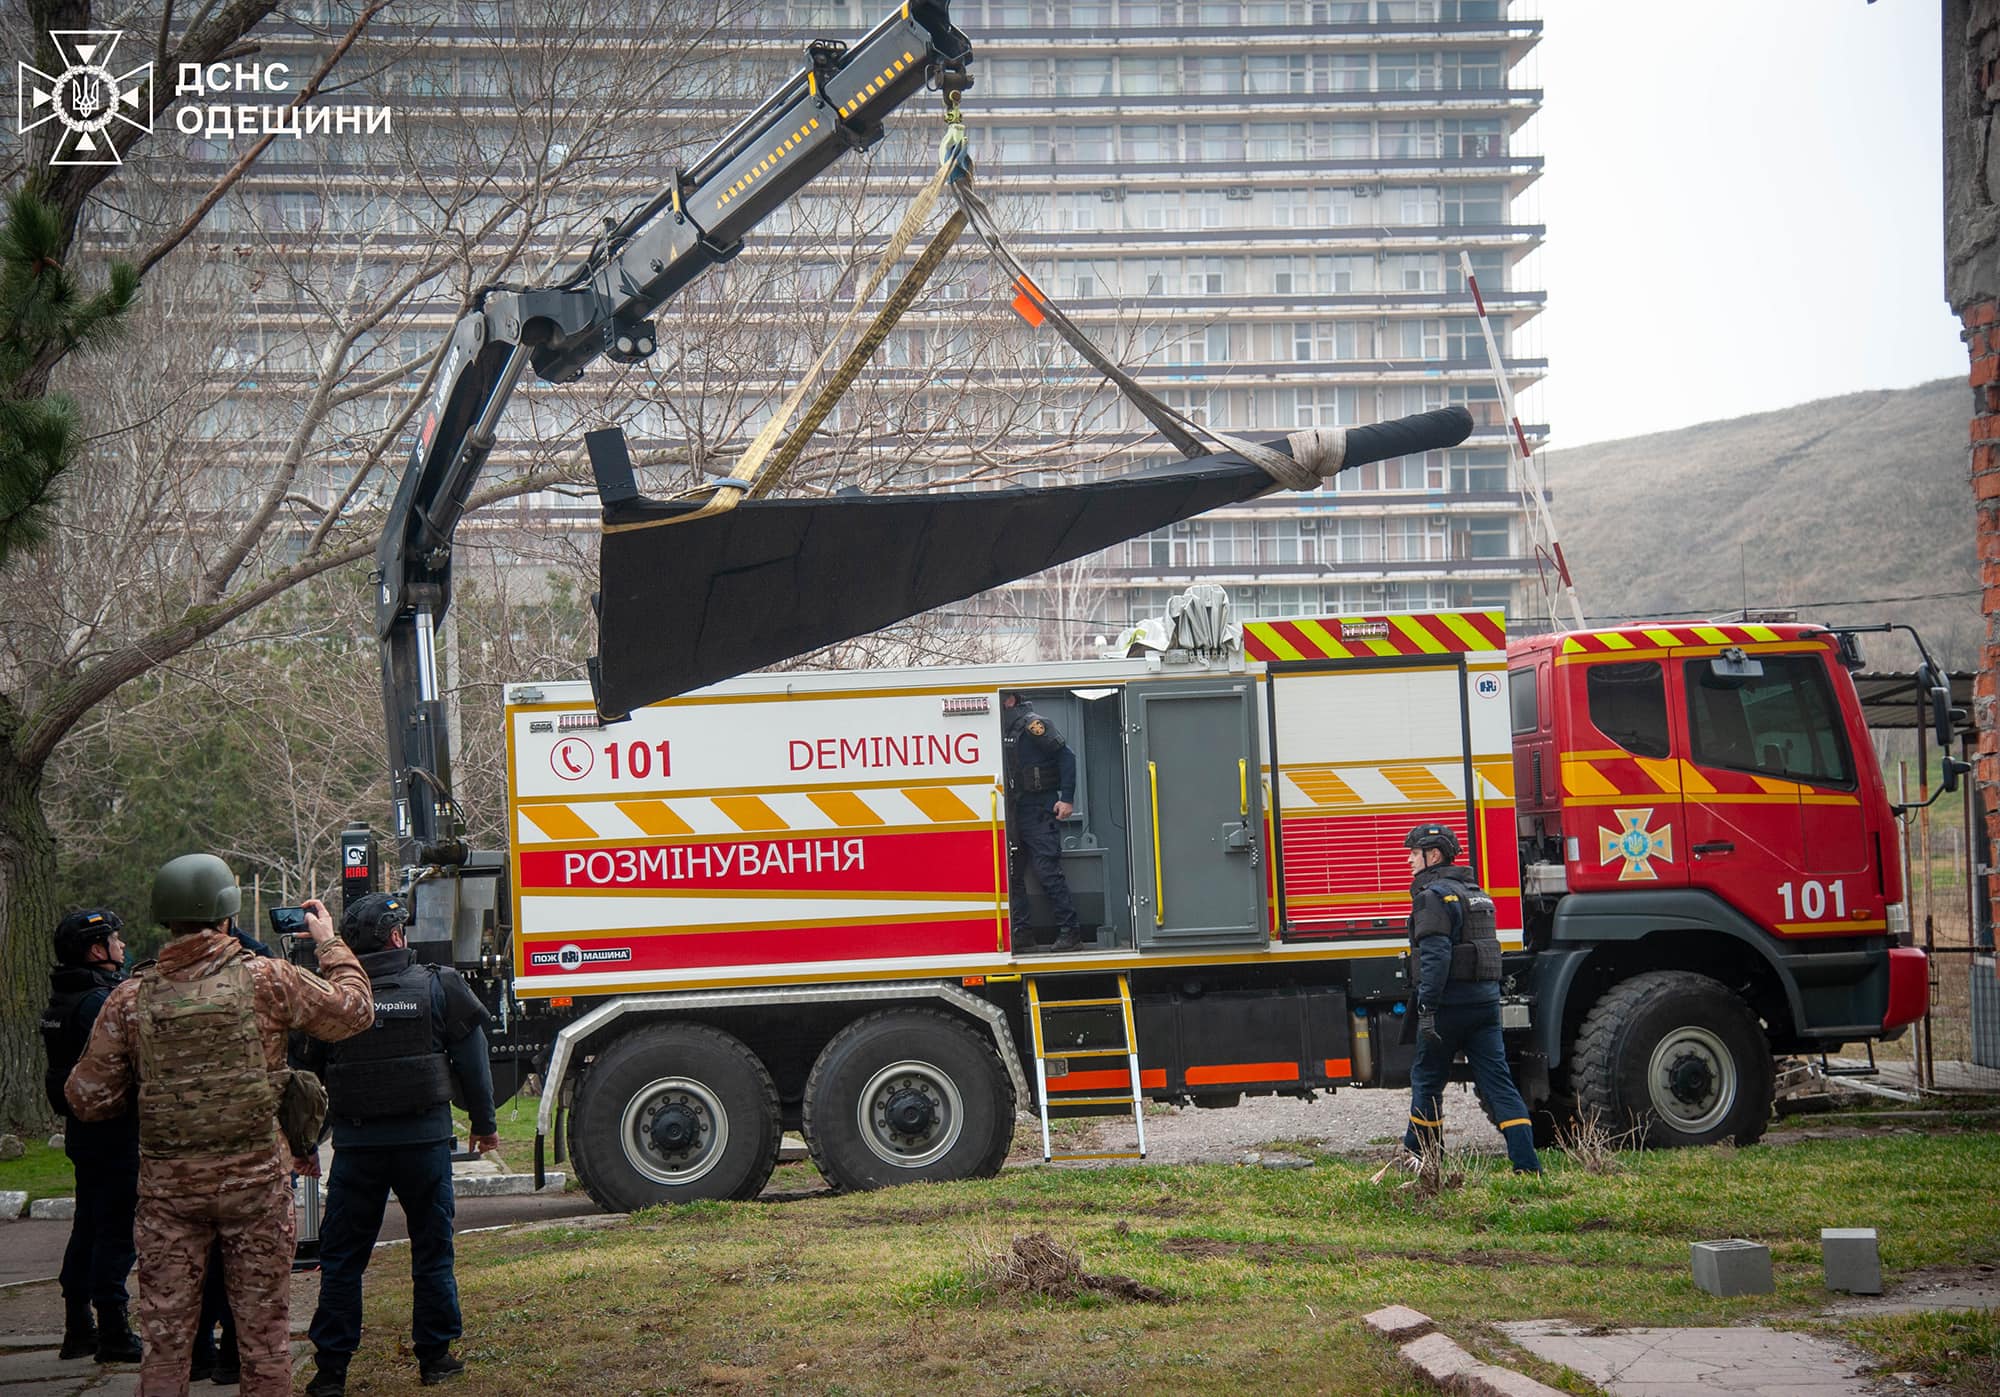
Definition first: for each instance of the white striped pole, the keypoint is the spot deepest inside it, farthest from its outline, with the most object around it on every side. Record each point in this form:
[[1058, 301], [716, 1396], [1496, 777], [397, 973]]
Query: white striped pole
[[1528, 478]]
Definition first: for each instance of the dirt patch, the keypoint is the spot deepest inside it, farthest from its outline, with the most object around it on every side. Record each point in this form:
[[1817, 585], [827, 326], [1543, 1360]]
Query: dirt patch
[[1037, 1265]]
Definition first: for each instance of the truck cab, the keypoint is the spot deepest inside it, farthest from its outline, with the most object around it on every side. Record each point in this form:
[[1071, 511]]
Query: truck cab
[[1702, 801]]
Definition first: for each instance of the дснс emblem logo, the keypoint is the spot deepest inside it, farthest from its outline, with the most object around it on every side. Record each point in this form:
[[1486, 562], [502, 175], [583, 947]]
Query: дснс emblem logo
[[86, 97]]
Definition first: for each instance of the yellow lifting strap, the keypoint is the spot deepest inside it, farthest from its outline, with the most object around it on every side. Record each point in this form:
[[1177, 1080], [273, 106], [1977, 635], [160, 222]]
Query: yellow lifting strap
[[758, 471]]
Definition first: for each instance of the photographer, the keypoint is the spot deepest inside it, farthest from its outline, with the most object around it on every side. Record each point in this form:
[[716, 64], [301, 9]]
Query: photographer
[[391, 1091]]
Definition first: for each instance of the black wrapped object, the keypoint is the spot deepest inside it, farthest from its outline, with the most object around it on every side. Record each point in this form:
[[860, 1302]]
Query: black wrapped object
[[686, 604]]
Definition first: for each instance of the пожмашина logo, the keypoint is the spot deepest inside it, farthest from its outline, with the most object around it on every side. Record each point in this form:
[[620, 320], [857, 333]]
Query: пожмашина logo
[[86, 97]]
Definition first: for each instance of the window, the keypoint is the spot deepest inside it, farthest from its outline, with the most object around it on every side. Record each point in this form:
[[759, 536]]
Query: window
[[1782, 722], [1628, 704], [1083, 77], [1521, 696]]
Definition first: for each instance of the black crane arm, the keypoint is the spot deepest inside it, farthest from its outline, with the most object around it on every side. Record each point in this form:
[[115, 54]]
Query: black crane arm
[[835, 104]]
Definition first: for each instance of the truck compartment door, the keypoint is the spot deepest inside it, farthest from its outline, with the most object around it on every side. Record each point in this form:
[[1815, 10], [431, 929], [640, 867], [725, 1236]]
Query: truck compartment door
[[1196, 813]]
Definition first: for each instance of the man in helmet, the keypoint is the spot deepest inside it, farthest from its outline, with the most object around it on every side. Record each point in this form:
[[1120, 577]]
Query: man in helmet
[[390, 1091], [1041, 790], [1455, 951], [200, 1035], [90, 963]]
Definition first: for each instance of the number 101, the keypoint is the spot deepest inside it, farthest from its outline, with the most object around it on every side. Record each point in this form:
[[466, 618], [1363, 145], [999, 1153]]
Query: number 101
[[1811, 900]]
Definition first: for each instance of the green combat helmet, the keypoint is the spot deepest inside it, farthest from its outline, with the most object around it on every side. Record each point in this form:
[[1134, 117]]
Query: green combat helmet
[[195, 888]]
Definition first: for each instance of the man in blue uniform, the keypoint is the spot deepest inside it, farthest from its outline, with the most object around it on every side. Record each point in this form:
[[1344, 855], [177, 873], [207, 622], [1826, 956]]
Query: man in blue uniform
[[1455, 947], [1041, 789], [90, 963], [390, 1091]]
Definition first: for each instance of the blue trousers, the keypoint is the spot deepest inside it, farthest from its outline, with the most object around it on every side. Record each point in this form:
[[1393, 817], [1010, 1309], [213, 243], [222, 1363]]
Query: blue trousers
[[1472, 1029], [357, 1191], [1036, 842], [100, 1251]]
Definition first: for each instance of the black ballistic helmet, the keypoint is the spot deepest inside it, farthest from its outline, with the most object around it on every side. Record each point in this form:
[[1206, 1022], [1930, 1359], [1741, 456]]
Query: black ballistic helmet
[[82, 929], [370, 919], [1434, 837]]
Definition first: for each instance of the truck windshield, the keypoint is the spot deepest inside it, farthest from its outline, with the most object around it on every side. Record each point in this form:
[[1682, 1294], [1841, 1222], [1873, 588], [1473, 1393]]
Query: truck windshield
[[1780, 723]]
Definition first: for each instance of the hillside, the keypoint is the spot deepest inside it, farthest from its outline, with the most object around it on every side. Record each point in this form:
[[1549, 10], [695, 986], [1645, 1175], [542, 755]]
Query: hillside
[[1862, 496]]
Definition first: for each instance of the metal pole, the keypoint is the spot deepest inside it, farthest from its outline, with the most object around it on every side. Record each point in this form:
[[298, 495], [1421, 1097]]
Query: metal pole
[[1924, 843]]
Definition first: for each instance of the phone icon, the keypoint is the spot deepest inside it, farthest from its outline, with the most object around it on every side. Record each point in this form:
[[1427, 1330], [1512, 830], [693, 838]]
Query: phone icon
[[572, 759]]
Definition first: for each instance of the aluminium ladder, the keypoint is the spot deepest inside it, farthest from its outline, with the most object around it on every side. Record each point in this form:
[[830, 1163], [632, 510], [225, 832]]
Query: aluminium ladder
[[1088, 1105]]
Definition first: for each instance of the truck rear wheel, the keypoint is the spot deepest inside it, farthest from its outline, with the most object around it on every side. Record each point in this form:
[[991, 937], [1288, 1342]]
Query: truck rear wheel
[[1678, 1054], [908, 1095], [674, 1113]]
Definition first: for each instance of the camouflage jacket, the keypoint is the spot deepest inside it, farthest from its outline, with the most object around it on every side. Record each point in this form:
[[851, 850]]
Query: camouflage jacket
[[104, 1081]]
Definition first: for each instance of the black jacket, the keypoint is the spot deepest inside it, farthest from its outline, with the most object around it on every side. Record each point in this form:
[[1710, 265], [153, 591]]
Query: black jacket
[[458, 1031], [1431, 943], [76, 996]]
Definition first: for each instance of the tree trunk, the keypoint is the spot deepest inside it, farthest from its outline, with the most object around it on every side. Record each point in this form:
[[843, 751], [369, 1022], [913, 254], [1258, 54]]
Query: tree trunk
[[27, 916]]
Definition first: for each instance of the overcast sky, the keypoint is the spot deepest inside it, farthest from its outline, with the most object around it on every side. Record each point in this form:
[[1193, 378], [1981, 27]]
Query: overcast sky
[[1743, 201]]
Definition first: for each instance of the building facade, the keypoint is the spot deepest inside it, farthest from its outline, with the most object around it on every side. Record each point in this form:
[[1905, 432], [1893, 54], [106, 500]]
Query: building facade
[[1258, 205]]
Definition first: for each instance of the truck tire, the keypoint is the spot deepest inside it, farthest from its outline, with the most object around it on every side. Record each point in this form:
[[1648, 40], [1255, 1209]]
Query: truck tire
[[1678, 1054], [674, 1113], [908, 1095]]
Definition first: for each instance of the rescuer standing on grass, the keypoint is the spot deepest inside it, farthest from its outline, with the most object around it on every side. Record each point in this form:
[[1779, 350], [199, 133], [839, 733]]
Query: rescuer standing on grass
[[1455, 947], [200, 1033], [391, 1091]]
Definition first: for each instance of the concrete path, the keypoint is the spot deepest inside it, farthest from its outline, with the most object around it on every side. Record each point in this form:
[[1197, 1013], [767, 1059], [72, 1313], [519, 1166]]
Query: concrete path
[[1696, 1362]]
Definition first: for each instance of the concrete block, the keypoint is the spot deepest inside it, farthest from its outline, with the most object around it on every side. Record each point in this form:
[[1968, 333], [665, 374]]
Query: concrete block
[[1732, 1266], [13, 1203], [52, 1209], [1438, 1358], [1853, 1259], [1397, 1321]]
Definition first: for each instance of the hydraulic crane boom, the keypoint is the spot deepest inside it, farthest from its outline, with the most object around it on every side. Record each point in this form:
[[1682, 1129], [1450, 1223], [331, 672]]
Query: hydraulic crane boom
[[833, 105]]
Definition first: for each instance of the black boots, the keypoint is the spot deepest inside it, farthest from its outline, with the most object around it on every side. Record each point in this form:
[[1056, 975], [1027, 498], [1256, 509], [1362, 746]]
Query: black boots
[[439, 1367], [79, 1330], [116, 1343], [330, 1377]]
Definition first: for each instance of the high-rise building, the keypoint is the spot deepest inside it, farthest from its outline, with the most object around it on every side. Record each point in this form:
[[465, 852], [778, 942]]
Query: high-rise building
[[1259, 205]]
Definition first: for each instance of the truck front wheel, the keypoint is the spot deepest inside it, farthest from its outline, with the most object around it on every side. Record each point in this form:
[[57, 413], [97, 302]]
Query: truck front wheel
[[1678, 1055], [908, 1095], [674, 1113]]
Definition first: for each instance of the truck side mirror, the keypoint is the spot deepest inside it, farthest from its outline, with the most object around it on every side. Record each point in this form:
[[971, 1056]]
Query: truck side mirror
[[1953, 769], [1942, 714]]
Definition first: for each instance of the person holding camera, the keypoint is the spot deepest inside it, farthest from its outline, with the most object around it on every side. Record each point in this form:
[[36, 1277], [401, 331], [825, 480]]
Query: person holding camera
[[199, 1034], [391, 1091]]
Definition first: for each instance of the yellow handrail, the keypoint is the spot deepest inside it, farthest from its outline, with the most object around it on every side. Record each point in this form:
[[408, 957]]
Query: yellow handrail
[[1242, 786], [1159, 880], [1000, 896]]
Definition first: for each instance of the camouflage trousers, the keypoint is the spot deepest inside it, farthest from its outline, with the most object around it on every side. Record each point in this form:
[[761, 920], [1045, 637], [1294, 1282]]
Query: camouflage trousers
[[255, 1226]]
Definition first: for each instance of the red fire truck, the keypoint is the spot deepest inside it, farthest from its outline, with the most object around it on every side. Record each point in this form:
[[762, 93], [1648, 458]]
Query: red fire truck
[[782, 902]]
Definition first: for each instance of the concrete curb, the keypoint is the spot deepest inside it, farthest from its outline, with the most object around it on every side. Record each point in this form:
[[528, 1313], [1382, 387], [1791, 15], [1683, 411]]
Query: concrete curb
[[1439, 1359], [13, 1203], [52, 1209], [505, 1185]]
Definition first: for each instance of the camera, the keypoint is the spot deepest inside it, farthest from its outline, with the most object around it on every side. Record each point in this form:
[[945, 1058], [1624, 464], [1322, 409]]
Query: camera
[[288, 921], [289, 925]]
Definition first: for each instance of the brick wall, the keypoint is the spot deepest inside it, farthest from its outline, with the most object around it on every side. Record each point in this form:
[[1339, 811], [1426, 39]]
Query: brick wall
[[1971, 60]]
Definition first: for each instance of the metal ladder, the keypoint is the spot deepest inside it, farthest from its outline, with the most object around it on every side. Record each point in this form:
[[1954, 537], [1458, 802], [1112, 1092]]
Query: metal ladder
[[1091, 1105]]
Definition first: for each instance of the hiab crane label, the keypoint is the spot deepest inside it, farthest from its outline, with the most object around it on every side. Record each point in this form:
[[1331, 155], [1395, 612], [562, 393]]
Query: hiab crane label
[[941, 861]]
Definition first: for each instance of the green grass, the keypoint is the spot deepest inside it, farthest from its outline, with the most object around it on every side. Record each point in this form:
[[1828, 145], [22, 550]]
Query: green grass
[[1267, 1273], [1959, 1348], [43, 1172]]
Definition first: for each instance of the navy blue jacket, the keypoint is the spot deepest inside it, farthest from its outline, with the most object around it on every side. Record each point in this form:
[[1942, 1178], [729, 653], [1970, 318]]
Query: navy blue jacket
[[1431, 938]]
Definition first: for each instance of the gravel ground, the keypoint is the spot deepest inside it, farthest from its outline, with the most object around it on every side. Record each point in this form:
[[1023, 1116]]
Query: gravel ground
[[1346, 1122]]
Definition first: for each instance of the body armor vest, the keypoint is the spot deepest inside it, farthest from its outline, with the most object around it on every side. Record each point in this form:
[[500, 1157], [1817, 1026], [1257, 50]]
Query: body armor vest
[[204, 1087], [394, 1069], [63, 1038], [1475, 935], [1030, 767]]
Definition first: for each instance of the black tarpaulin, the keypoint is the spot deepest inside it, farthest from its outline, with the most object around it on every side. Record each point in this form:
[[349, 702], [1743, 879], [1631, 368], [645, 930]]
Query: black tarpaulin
[[686, 604]]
